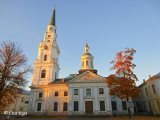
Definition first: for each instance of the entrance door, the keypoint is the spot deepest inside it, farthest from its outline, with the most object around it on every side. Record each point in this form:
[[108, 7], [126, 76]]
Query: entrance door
[[89, 107]]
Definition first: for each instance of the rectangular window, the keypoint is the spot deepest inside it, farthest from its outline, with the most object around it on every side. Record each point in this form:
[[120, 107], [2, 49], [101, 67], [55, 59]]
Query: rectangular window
[[26, 102], [65, 106], [144, 107], [141, 92], [150, 108], [101, 91], [153, 88], [146, 91], [40, 95], [76, 106], [55, 75], [92, 64], [39, 105], [75, 91], [158, 105], [56, 93], [102, 106], [23, 99], [55, 106], [114, 105], [88, 91], [124, 105], [65, 93]]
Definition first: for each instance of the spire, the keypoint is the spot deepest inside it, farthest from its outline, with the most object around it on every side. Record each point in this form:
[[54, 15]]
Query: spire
[[86, 44], [86, 49], [53, 19]]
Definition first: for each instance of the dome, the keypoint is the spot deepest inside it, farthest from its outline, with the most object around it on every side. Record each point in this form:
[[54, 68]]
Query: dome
[[87, 54]]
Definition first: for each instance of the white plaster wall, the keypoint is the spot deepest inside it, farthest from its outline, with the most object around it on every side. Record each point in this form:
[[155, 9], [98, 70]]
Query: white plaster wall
[[49, 98], [95, 97]]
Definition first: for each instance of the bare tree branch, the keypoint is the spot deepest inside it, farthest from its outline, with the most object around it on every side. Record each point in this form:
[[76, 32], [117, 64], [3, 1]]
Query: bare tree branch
[[13, 70]]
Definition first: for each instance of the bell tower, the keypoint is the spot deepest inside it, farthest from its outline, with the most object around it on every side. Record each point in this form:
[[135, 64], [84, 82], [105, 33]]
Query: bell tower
[[87, 58], [46, 66], [87, 61]]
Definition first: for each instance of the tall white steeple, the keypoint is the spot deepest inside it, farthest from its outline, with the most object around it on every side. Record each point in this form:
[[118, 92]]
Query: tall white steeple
[[50, 35], [46, 66]]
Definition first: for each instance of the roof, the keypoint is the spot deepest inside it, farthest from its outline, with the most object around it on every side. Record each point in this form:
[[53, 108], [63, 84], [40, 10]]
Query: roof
[[20, 91], [141, 85], [63, 80], [91, 70], [157, 75], [73, 76], [53, 19], [87, 54], [153, 78], [87, 77], [58, 81]]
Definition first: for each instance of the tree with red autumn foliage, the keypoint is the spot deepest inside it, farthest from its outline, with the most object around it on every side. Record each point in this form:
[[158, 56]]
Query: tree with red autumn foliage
[[122, 83]]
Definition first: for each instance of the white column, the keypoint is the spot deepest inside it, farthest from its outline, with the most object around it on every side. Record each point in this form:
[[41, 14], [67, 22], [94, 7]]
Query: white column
[[108, 100], [96, 99], [81, 101], [70, 104], [39, 74]]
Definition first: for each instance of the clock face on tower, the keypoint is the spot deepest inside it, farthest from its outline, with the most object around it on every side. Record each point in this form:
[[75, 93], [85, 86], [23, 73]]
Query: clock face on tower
[[46, 47]]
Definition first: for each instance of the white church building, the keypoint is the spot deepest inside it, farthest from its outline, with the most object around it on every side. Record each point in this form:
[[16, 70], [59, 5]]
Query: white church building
[[79, 94]]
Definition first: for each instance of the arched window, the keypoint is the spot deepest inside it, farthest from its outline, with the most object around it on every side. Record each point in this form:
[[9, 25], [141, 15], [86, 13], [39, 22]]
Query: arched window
[[92, 64], [82, 63], [45, 57], [86, 62], [55, 75], [43, 74], [86, 50]]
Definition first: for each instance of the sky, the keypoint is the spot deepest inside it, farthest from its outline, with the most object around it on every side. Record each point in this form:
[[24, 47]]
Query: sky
[[108, 26]]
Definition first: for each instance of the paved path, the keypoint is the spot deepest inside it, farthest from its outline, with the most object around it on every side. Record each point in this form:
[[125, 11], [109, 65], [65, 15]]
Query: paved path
[[97, 118]]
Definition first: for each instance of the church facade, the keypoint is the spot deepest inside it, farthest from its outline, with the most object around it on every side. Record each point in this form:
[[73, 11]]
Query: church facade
[[78, 94]]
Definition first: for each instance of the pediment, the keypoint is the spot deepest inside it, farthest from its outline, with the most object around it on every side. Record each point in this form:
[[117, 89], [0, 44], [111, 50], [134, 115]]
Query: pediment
[[88, 77]]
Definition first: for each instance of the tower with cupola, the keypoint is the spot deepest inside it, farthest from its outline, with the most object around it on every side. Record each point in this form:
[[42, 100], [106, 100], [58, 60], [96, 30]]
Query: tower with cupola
[[87, 60], [46, 66]]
